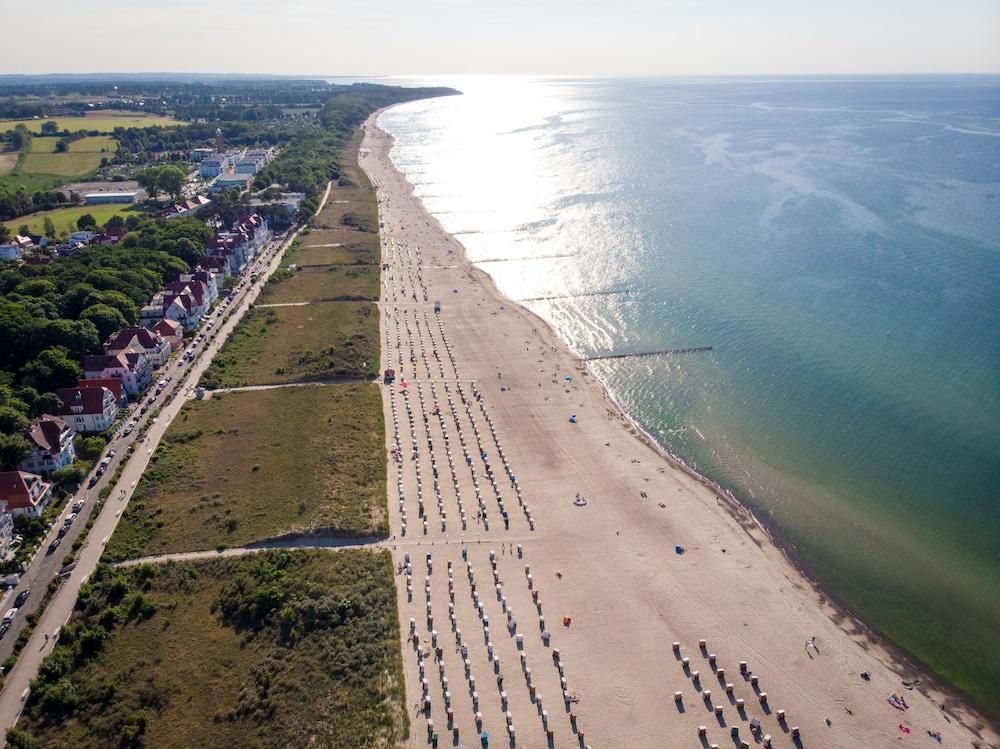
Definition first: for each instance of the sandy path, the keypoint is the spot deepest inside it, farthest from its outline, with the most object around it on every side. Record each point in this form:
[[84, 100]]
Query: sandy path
[[610, 565]]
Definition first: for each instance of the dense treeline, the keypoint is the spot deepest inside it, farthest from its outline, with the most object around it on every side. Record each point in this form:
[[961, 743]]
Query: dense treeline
[[184, 238], [53, 315]]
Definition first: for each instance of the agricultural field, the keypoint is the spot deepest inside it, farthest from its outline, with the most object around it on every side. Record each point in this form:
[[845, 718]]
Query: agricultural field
[[254, 465], [7, 161], [321, 340], [323, 283], [43, 168], [65, 218], [282, 649], [104, 122]]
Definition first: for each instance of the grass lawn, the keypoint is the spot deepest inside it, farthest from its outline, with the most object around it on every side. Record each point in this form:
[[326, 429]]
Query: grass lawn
[[330, 282], [290, 344], [104, 122], [278, 649], [43, 168], [253, 465], [65, 218]]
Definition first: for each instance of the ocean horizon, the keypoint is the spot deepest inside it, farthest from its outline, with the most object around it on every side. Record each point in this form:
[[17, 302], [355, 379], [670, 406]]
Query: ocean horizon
[[831, 247]]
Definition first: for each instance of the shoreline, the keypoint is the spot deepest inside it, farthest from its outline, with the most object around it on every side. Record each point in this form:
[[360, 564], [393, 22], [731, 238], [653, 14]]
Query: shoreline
[[947, 699]]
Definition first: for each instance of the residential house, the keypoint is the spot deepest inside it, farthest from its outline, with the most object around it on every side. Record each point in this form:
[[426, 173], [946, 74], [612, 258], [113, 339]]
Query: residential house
[[25, 493], [111, 236], [51, 441], [207, 279], [185, 302], [13, 249], [171, 331], [81, 237], [135, 370], [215, 164], [215, 264], [116, 387], [88, 409], [139, 339]]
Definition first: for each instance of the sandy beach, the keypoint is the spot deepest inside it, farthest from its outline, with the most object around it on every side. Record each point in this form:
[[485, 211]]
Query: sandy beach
[[557, 625]]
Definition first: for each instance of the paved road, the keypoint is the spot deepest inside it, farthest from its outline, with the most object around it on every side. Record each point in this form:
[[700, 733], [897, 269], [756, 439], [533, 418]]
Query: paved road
[[61, 606]]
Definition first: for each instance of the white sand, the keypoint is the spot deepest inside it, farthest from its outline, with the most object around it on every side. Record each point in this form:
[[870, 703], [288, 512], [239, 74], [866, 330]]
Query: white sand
[[609, 565]]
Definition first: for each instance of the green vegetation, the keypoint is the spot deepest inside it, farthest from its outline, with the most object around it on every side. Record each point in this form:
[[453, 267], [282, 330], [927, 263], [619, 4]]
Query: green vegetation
[[277, 649], [184, 238], [273, 345], [311, 250], [49, 161], [332, 282], [102, 122], [249, 466], [64, 219]]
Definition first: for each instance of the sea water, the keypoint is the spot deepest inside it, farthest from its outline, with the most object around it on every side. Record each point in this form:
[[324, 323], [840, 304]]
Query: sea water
[[836, 242]]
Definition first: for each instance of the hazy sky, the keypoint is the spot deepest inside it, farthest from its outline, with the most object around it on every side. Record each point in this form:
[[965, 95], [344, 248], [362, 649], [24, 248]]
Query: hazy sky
[[585, 37]]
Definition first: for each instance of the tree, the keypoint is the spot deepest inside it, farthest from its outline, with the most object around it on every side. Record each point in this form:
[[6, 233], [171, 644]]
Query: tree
[[46, 403], [50, 128], [51, 369], [20, 137], [12, 421], [149, 180], [105, 318], [172, 178], [23, 230], [49, 228], [86, 222], [115, 222], [13, 449], [4, 234]]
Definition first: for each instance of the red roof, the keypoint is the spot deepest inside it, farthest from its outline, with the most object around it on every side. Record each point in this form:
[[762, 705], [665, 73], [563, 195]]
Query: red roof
[[100, 362], [168, 328], [111, 383], [124, 337], [16, 486], [91, 399], [45, 433]]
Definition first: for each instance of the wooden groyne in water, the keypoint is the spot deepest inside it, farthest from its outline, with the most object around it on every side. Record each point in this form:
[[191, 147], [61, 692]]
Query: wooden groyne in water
[[575, 296], [662, 352]]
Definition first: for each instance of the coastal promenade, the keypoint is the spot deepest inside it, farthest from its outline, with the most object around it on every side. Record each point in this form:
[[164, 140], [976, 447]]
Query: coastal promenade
[[561, 582], [60, 607]]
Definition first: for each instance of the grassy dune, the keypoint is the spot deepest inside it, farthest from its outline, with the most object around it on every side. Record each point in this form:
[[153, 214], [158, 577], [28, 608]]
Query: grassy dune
[[278, 649], [247, 466]]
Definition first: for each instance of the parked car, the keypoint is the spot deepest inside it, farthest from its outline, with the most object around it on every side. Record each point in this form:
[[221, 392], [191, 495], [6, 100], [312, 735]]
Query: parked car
[[93, 480], [9, 616], [112, 453], [128, 430], [62, 531], [69, 519], [21, 598], [77, 506], [54, 545]]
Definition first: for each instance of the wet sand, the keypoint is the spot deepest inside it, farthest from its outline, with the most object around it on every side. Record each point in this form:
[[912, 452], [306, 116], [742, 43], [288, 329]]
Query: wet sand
[[486, 405]]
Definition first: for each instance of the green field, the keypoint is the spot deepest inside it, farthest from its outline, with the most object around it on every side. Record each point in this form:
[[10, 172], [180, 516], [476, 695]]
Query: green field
[[249, 466], [330, 282], [43, 168], [314, 249], [65, 218], [104, 123], [274, 345], [277, 649]]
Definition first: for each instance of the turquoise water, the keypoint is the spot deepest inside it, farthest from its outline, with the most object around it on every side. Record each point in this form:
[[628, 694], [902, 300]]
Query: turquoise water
[[835, 241]]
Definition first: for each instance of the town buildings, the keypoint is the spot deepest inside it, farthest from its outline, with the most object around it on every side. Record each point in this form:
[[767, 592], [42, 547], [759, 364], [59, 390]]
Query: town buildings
[[88, 409], [25, 493], [134, 369], [51, 441], [142, 340]]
